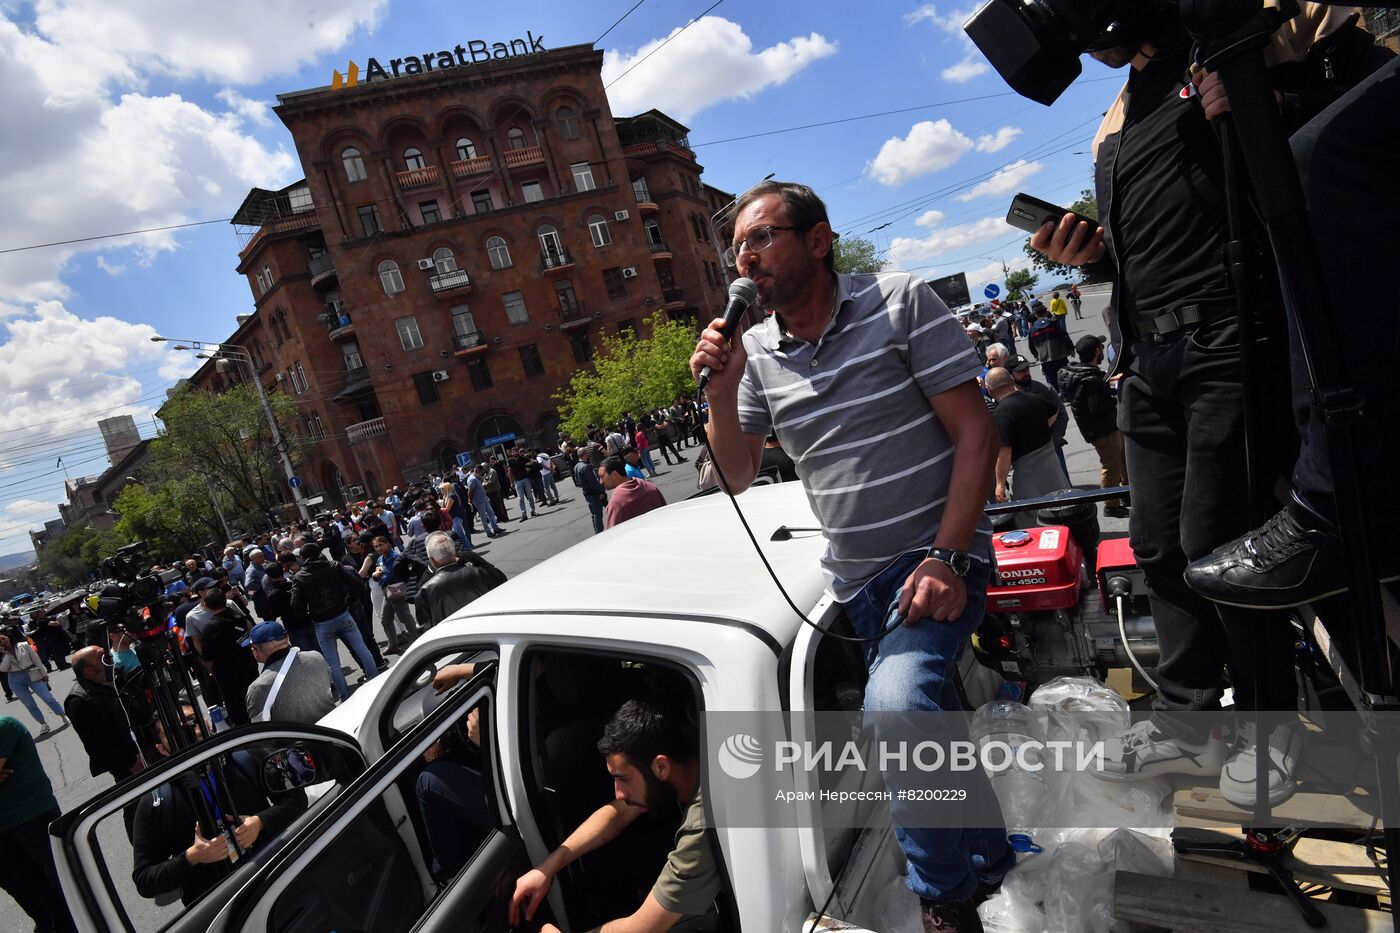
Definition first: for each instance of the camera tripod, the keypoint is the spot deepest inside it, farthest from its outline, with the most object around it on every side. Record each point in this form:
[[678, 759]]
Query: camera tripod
[[1231, 37]]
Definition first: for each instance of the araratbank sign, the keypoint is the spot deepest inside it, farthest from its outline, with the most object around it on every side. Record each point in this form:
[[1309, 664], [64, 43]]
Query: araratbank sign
[[475, 52]]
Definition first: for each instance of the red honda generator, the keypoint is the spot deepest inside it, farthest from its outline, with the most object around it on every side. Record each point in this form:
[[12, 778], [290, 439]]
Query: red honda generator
[[1063, 602]]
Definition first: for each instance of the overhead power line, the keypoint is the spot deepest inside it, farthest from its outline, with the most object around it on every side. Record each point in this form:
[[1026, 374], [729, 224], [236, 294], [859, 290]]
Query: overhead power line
[[618, 22], [109, 236], [663, 44]]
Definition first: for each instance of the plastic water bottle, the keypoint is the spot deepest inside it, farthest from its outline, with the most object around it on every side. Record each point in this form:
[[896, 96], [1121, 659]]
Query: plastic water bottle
[[217, 721], [1022, 794]]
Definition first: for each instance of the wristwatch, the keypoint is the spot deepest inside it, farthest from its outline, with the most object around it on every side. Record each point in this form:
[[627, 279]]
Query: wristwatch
[[960, 562]]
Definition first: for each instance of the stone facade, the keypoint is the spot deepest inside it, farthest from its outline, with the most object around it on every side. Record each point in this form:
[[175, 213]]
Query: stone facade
[[461, 240]]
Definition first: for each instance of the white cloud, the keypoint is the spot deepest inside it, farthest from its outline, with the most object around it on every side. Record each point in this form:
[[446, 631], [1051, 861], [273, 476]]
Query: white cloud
[[999, 140], [254, 110], [930, 219], [1006, 180], [970, 67], [951, 23], [23, 509], [711, 61], [111, 268], [992, 272], [908, 251], [930, 147]]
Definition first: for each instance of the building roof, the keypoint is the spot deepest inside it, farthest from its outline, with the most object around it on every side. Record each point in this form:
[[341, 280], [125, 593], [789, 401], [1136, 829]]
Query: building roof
[[262, 205], [691, 558]]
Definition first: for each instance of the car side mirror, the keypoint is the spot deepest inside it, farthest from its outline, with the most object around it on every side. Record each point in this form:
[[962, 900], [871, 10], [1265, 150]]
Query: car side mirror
[[289, 769]]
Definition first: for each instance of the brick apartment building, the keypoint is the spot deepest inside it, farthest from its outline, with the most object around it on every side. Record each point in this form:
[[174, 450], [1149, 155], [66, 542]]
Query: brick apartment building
[[459, 243]]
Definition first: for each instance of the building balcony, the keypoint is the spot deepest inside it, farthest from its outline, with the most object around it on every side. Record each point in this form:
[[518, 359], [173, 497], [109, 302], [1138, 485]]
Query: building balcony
[[470, 168], [447, 281], [322, 269], [673, 296], [338, 323], [641, 150], [659, 250], [556, 260], [572, 315], [306, 220], [366, 430], [647, 207], [470, 344], [530, 155], [418, 177], [356, 380]]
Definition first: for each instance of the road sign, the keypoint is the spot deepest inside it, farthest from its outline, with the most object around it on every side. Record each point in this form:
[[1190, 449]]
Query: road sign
[[991, 291], [498, 439], [464, 459], [294, 482]]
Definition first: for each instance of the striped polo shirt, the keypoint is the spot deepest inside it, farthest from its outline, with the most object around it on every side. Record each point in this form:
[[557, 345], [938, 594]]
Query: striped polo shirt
[[852, 411]]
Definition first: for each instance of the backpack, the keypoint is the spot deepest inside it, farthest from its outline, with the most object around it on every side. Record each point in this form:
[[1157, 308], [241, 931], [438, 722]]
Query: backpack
[[327, 597]]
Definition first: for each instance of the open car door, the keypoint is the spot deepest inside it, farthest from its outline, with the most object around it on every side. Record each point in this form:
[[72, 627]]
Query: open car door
[[423, 840], [122, 857]]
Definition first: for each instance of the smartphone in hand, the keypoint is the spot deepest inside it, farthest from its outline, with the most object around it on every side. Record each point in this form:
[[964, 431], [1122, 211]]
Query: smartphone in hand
[[1030, 214]]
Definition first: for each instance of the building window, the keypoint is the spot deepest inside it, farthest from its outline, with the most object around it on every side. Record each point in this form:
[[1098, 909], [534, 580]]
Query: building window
[[466, 149], [653, 230], [550, 243], [301, 375], [350, 351], [598, 229], [663, 274], [318, 430], [297, 376], [639, 189], [463, 324], [627, 326], [481, 201], [264, 280], [354, 165], [413, 158], [427, 389], [532, 192], [530, 360], [480, 372], [429, 211], [614, 283], [409, 336], [568, 301], [583, 349], [583, 176], [515, 138], [390, 277], [299, 200], [499, 254], [369, 219], [444, 261], [568, 123], [515, 307]]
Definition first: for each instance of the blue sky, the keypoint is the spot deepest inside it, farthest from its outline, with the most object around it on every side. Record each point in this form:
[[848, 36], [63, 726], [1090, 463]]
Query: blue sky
[[140, 114]]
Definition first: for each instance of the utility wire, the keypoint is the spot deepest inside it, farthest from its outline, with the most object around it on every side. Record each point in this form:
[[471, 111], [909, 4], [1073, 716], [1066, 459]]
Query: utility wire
[[108, 236], [619, 22], [663, 44]]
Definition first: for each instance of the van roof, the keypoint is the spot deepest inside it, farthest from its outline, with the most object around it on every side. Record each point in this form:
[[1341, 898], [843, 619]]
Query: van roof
[[689, 559]]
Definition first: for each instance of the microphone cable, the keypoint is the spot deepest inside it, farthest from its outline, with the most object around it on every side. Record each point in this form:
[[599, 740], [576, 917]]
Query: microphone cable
[[734, 501]]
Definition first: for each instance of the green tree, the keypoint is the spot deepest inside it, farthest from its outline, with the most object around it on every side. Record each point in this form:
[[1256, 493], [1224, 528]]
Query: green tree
[[856, 255], [1018, 281], [173, 518], [1088, 205], [221, 446], [629, 373], [73, 557]]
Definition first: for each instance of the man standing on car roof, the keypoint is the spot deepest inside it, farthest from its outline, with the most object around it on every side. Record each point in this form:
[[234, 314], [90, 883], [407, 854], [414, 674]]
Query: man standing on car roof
[[847, 367]]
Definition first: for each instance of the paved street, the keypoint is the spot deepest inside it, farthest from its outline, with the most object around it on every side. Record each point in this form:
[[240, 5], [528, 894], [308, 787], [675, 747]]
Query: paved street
[[526, 544]]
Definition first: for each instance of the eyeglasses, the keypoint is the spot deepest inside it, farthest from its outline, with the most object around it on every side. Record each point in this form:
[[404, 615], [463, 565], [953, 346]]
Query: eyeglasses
[[756, 242]]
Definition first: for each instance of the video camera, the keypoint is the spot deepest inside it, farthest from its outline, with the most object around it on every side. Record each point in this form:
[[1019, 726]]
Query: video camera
[[121, 602]]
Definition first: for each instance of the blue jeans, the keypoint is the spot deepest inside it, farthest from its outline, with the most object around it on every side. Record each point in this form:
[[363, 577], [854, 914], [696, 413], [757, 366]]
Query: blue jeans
[[551, 491], [460, 530], [342, 628], [913, 669], [482, 504], [22, 688], [525, 493], [595, 506], [647, 461]]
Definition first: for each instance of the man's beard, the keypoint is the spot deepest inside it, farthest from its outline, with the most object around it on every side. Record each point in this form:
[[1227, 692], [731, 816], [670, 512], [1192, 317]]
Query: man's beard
[[660, 795]]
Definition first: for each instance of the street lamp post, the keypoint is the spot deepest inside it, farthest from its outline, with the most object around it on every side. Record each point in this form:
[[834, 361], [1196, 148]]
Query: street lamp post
[[237, 353]]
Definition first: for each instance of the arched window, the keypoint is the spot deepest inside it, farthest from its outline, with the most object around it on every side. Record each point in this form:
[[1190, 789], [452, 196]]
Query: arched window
[[515, 138], [500, 255], [413, 158], [466, 149], [653, 230], [444, 261], [598, 229], [568, 122], [390, 277], [549, 242], [354, 165]]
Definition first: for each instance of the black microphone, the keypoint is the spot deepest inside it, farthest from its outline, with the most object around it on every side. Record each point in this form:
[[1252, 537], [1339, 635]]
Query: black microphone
[[742, 293]]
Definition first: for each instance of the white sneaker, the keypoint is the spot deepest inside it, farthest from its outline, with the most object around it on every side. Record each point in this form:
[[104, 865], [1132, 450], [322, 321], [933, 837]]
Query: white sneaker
[[1285, 750], [1143, 751], [44, 729]]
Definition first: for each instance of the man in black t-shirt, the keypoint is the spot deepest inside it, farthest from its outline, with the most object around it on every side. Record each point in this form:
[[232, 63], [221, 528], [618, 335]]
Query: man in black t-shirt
[[1025, 424]]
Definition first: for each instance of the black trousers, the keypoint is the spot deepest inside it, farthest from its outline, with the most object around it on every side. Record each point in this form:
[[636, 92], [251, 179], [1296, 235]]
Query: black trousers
[[27, 871], [1182, 417]]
